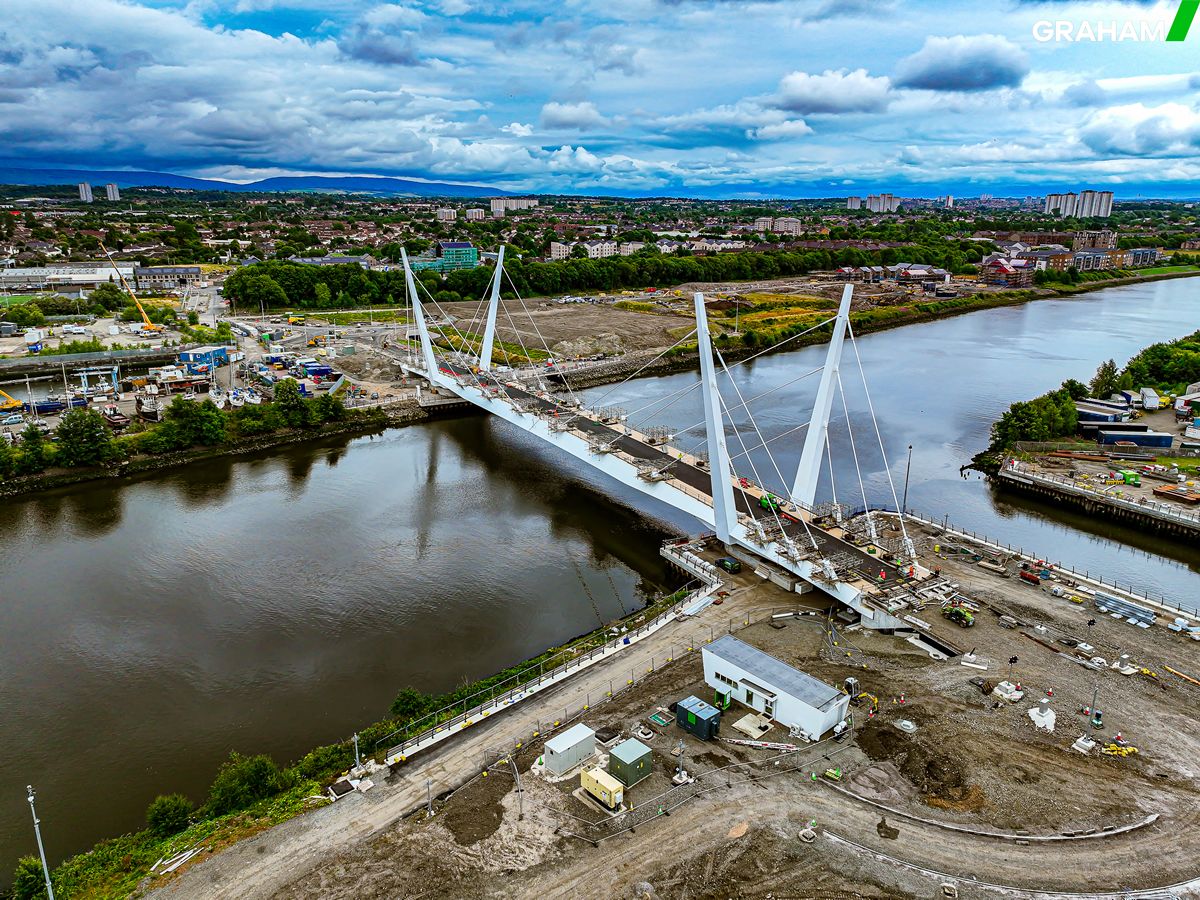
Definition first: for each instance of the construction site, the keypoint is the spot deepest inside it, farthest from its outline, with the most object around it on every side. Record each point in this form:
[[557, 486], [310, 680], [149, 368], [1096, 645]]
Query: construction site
[[1042, 749]]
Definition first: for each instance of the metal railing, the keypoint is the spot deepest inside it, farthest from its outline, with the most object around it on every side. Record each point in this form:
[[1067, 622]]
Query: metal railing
[[523, 684], [1015, 471]]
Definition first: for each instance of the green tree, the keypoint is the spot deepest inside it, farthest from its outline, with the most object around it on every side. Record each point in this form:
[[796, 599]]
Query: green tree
[[262, 292], [323, 296], [193, 317], [411, 703], [29, 880], [84, 439], [8, 460], [109, 296], [329, 409], [168, 814], [34, 452], [197, 423], [244, 780], [1105, 380], [291, 405]]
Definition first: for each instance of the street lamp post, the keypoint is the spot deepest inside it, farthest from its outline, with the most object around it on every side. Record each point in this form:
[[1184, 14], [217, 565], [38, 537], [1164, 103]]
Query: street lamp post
[[37, 830], [357, 760]]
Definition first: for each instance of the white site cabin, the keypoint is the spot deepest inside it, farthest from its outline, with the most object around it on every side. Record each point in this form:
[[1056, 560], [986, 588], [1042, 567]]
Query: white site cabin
[[780, 692]]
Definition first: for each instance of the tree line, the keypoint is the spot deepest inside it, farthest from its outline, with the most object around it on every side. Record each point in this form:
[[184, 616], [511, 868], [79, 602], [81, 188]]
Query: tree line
[[274, 284], [85, 440]]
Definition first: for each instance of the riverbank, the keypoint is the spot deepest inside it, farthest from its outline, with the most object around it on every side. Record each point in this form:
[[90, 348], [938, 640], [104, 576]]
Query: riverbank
[[370, 422]]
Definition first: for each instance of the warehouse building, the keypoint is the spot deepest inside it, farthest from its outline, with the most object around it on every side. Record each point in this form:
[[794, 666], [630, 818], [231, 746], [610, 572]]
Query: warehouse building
[[780, 692]]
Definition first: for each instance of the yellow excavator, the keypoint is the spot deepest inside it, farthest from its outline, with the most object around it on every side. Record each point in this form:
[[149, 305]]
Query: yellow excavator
[[147, 325]]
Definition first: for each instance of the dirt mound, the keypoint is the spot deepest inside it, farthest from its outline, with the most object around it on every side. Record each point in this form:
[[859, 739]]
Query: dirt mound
[[477, 812], [940, 777]]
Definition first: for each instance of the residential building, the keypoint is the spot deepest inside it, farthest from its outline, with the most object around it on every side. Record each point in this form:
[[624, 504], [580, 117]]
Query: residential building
[[794, 699], [764, 223], [1008, 272], [854, 203], [500, 205], [559, 251], [474, 214], [446, 214], [166, 276], [600, 249], [1052, 259], [631, 247], [949, 201], [85, 192], [883, 203], [1084, 205], [1190, 245], [1144, 256], [112, 192], [334, 260], [1092, 260], [788, 226], [1094, 240]]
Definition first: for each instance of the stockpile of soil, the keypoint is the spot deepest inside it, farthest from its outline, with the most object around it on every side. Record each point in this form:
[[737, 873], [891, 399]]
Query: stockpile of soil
[[477, 812], [940, 777]]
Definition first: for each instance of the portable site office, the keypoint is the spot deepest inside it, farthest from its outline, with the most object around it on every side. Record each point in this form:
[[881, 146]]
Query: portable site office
[[772, 687]]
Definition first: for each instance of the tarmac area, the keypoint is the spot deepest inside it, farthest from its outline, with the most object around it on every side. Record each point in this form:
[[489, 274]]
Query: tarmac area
[[970, 795]]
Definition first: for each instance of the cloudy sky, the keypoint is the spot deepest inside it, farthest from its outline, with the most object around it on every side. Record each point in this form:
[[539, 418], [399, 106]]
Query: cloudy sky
[[683, 97]]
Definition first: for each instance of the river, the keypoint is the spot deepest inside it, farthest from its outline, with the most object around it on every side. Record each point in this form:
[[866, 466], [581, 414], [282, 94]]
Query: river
[[273, 603]]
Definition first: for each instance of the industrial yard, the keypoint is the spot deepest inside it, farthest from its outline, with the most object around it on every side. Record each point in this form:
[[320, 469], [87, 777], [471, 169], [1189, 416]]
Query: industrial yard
[[939, 780]]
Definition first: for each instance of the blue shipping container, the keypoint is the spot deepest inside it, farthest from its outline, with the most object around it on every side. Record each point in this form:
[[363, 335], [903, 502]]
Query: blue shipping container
[[1158, 439]]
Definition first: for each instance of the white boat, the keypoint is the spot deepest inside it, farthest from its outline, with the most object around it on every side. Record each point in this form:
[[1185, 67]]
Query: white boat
[[189, 394], [253, 397], [236, 399], [217, 396]]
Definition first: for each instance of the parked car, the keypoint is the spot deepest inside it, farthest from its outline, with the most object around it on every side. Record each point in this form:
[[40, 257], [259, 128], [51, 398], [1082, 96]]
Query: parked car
[[729, 564], [14, 419]]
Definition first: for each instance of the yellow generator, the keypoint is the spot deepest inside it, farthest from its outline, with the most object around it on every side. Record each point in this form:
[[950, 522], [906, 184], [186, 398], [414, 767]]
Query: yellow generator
[[603, 787]]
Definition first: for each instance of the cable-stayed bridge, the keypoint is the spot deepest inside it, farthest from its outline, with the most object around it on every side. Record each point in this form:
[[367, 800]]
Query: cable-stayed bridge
[[817, 543]]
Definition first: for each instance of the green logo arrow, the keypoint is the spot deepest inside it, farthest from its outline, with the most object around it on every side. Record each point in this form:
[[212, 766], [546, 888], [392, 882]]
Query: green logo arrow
[[1183, 20]]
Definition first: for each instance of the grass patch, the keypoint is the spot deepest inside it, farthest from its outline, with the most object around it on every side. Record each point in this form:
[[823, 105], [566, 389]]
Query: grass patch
[[1167, 270], [634, 306], [350, 318]]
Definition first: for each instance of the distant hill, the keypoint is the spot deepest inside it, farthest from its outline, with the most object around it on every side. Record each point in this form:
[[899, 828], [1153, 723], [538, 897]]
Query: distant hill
[[357, 184]]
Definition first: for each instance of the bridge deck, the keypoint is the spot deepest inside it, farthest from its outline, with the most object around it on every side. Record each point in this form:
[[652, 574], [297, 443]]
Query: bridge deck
[[845, 555]]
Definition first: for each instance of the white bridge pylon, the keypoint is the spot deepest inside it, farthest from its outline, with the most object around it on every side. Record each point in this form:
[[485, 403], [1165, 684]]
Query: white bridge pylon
[[786, 535]]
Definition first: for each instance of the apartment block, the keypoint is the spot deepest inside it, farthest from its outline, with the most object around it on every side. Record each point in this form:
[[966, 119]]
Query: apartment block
[[85, 192], [446, 214], [854, 203]]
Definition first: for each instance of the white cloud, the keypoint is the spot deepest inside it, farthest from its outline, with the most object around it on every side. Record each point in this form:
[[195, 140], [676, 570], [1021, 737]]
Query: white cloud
[[1138, 130], [833, 92], [572, 115], [517, 129], [980, 62]]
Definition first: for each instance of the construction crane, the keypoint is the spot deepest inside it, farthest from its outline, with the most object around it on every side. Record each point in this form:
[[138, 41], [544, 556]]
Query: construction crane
[[147, 325], [9, 402]]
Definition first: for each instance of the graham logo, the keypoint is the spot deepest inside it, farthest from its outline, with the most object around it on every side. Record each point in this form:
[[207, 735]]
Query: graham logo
[[1183, 20], [1138, 30]]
